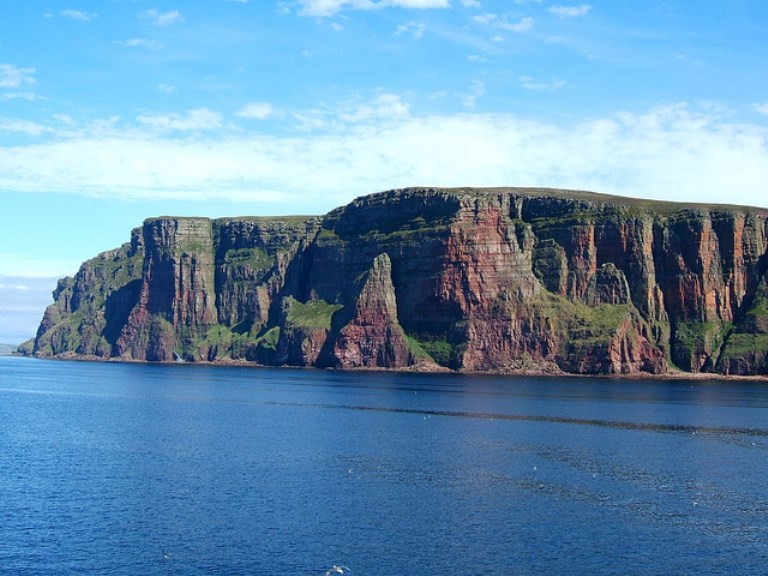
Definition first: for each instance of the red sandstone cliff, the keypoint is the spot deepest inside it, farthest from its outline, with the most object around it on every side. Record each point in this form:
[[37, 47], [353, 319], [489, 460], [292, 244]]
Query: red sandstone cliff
[[474, 280]]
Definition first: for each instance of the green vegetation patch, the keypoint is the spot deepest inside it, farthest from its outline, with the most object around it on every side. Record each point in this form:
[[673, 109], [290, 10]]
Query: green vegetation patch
[[220, 335], [431, 347], [741, 344], [700, 334], [256, 258], [416, 349], [121, 271], [269, 339], [64, 337], [575, 317], [760, 311], [693, 340], [581, 327], [313, 314], [405, 235], [110, 272], [568, 220], [440, 351], [264, 350], [192, 246]]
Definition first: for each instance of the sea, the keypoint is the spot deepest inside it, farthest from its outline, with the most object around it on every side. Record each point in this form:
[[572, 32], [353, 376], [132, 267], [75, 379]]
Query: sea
[[111, 468]]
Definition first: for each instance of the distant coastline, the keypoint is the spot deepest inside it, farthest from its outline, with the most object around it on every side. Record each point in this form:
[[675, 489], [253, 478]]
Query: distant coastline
[[8, 349]]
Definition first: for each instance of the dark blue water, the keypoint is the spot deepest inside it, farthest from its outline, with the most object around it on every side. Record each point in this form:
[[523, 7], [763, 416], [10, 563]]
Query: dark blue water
[[136, 469]]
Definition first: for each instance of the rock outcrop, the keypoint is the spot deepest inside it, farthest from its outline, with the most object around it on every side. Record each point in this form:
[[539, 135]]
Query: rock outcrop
[[372, 336], [468, 279]]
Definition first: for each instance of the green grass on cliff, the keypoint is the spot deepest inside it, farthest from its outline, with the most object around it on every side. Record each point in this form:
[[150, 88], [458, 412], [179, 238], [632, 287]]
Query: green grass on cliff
[[758, 311], [220, 335], [416, 349], [440, 351], [313, 314], [739, 345], [269, 339], [429, 347], [114, 270], [63, 337], [229, 344], [255, 258], [412, 232], [579, 321], [693, 340], [192, 247]]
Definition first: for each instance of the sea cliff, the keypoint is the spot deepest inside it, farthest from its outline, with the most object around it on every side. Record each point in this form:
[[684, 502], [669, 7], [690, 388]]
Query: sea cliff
[[489, 280]]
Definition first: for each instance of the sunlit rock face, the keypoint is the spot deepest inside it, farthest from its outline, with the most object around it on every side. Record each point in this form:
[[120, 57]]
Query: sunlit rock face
[[504, 279]]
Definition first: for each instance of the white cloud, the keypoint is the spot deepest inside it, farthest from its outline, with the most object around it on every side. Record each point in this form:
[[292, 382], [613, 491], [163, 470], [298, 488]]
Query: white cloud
[[166, 88], [570, 11], [413, 28], [419, 4], [13, 77], [476, 90], [163, 18], [193, 120], [64, 119], [471, 4], [674, 153], [323, 8], [384, 106], [149, 43], [522, 25], [29, 96], [22, 126], [256, 111], [530, 83], [78, 15], [762, 108], [502, 23], [486, 18]]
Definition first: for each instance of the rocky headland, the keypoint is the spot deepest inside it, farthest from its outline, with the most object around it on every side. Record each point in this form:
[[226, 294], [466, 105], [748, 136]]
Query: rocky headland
[[476, 280]]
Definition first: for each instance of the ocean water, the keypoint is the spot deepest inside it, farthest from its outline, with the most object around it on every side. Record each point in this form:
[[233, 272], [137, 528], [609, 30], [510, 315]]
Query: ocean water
[[179, 469]]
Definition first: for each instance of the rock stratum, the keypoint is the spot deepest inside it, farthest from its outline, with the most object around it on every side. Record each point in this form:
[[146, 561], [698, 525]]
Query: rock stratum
[[476, 280]]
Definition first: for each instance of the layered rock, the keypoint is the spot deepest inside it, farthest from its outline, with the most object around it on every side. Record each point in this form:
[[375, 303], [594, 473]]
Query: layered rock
[[471, 279], [177, 295], [372, 336]]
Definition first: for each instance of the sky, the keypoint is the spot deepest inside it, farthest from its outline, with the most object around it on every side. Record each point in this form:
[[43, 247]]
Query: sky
[[113, 111]]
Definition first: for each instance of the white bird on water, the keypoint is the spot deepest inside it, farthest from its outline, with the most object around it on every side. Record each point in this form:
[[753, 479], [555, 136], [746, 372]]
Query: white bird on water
[[335, 569]]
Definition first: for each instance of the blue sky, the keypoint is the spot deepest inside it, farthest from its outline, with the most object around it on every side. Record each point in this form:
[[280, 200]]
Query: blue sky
[[112, 111]]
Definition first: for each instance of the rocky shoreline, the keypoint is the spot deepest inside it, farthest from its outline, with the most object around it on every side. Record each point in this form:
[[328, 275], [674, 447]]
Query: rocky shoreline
[[672, 374]]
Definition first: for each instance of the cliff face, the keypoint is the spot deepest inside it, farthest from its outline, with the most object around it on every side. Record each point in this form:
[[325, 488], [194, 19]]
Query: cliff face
[[177, 290], [475, 280]]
